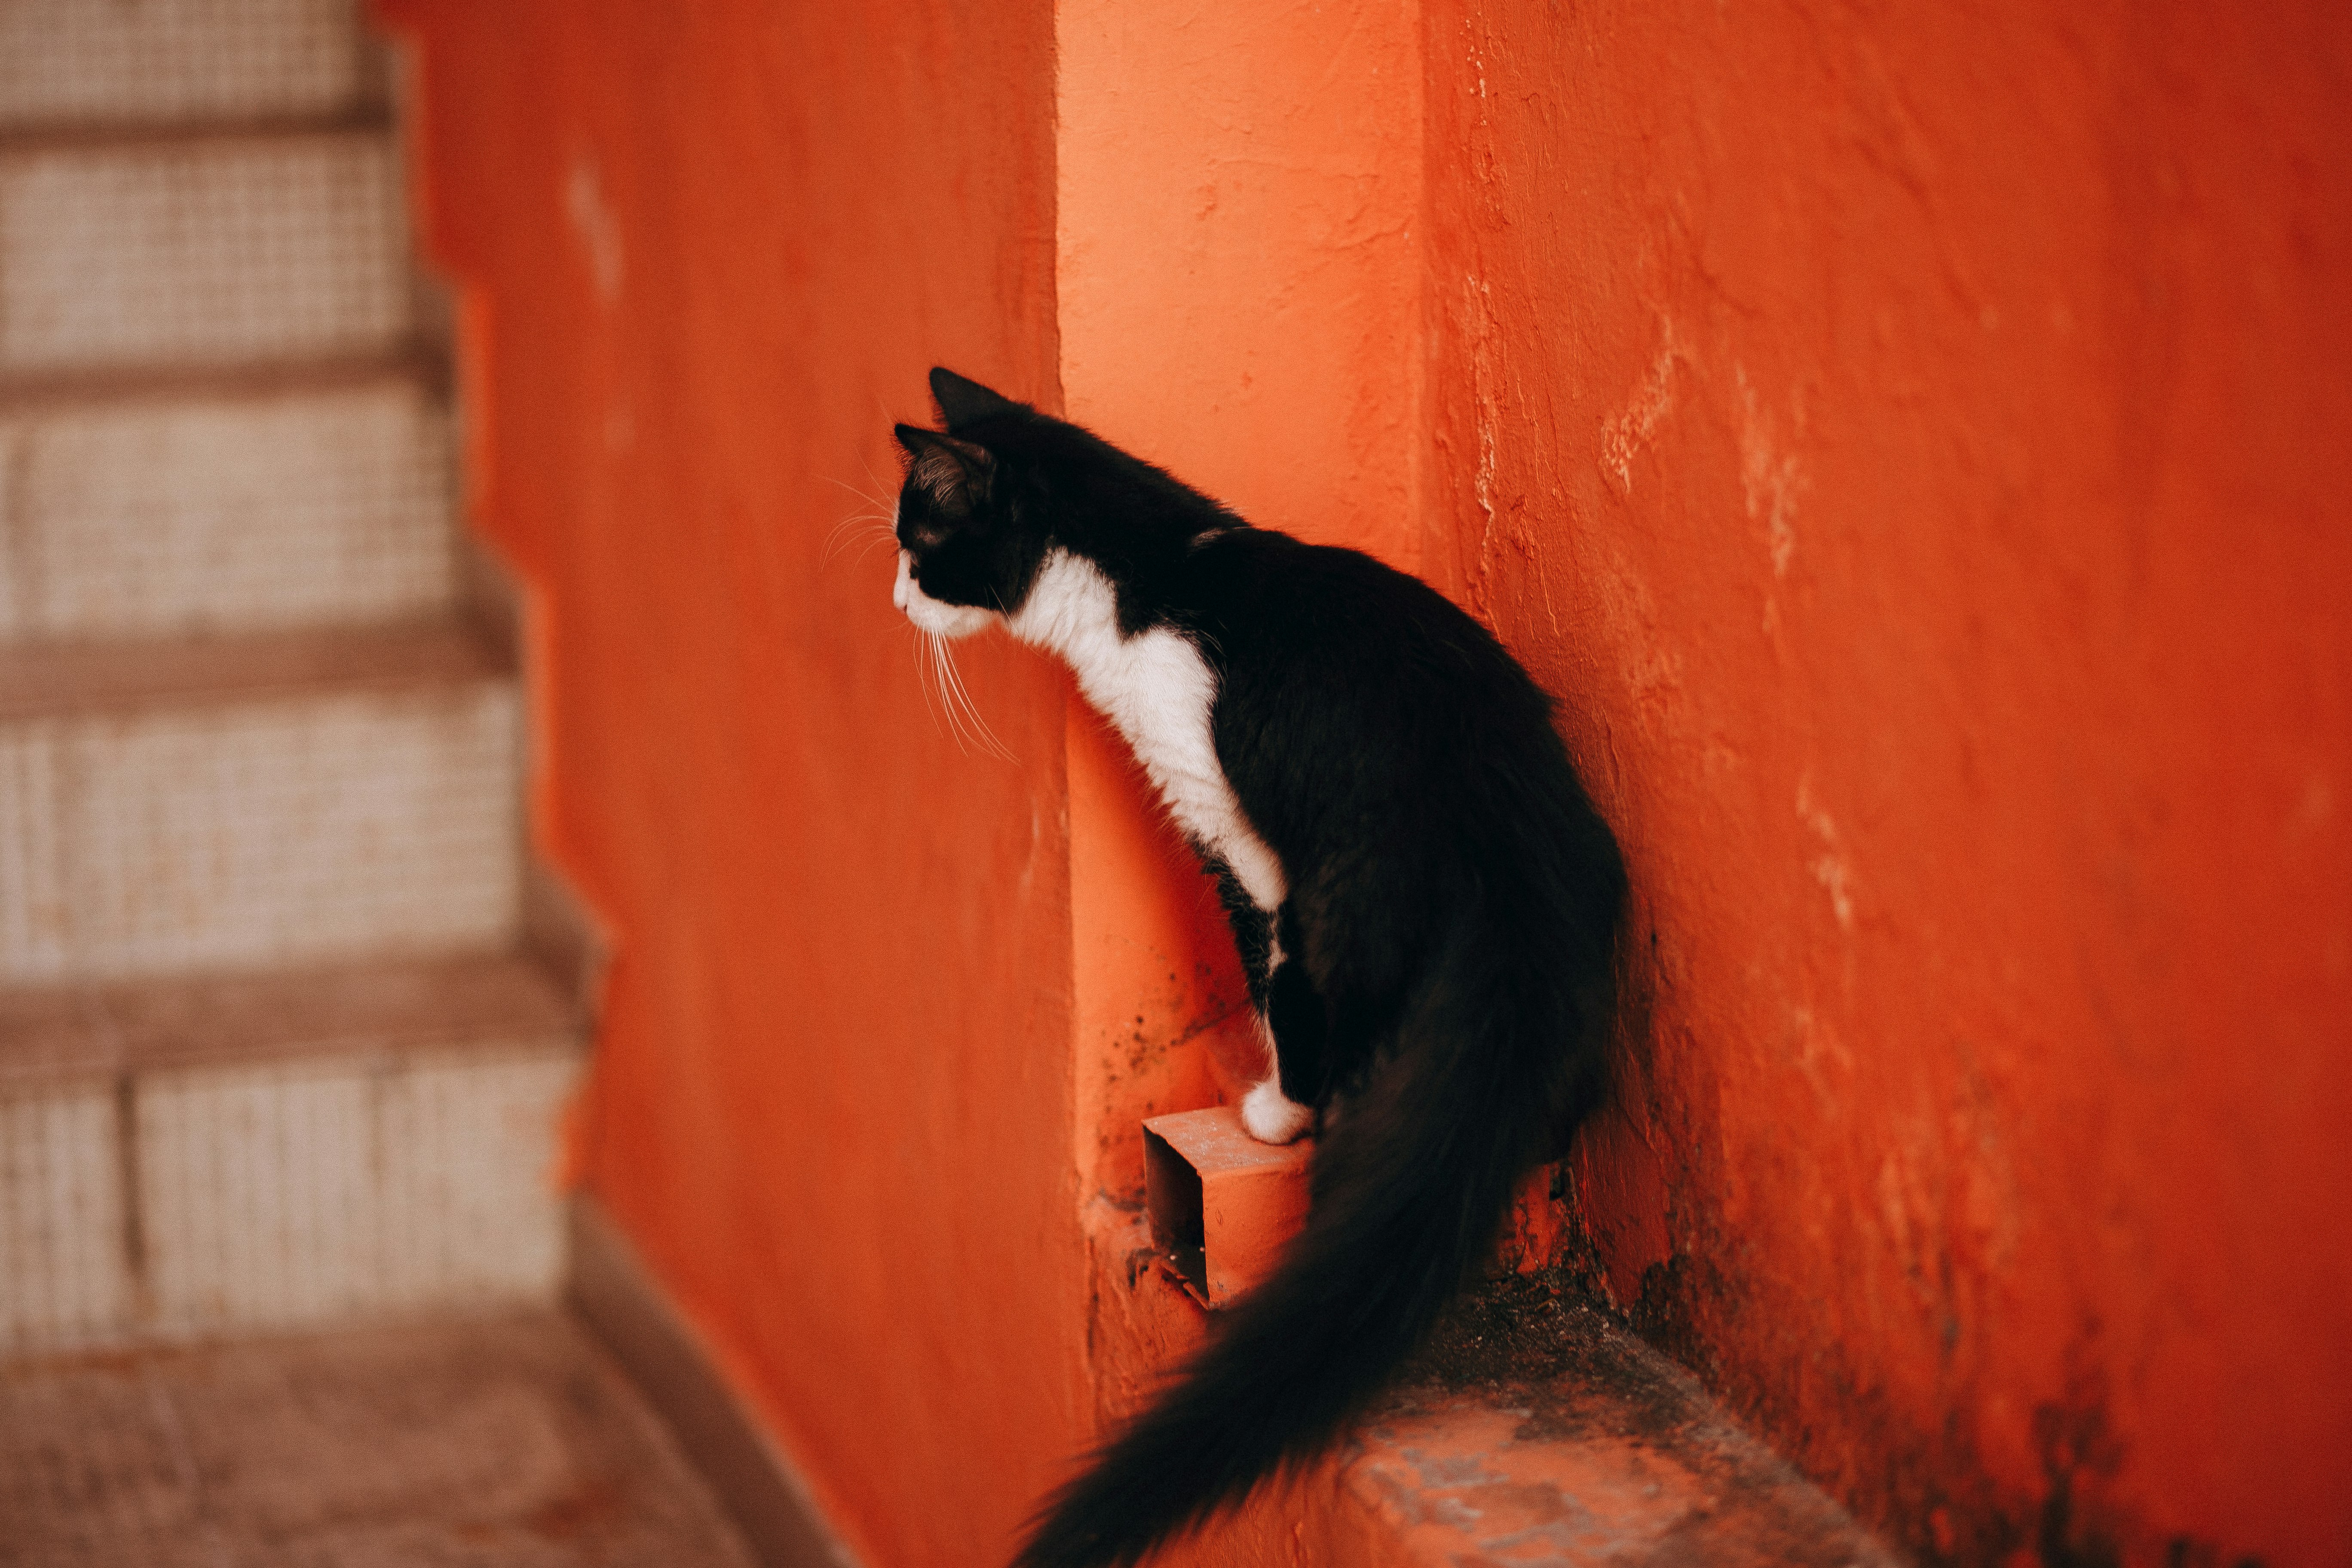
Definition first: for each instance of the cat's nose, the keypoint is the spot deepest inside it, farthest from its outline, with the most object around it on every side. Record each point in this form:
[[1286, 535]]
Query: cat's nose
[[901, 589]]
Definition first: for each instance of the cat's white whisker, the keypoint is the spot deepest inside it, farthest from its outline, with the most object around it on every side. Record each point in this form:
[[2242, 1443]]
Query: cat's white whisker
[[871, 527], [869, 498], [943, 673], [939, 679], [919, 639], [881, 487], [984, 737], [880, 520]]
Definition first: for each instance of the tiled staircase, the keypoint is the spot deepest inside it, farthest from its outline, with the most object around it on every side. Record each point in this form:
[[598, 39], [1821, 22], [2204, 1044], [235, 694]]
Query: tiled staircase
[[275, 1052]]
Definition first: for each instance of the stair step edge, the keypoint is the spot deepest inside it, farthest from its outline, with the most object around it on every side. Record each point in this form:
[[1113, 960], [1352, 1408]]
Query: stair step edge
[[69, 679], [34, 137], [387, 1011], [34, 393]]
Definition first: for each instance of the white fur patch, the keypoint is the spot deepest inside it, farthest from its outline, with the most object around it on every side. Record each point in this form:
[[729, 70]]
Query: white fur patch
[[1156, 689], [1270, 1117], [928, 613]]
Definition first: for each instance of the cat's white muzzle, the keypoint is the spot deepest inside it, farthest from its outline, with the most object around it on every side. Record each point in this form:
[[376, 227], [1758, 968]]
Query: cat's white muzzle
[[926, 613]]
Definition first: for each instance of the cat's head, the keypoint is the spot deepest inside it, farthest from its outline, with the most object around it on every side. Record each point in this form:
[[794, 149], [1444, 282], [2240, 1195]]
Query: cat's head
[[968, 543]]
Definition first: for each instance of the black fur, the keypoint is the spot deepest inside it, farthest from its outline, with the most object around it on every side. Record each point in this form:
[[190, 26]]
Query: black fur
[[1449, 934]]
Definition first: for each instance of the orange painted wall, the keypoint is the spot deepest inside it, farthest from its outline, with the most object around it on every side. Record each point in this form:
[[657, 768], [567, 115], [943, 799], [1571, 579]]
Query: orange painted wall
[[1915, 441], [1913, 447], [705, 256]]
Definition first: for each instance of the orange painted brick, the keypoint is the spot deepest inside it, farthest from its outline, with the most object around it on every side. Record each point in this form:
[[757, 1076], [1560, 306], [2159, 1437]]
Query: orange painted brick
[[1223, 1205]]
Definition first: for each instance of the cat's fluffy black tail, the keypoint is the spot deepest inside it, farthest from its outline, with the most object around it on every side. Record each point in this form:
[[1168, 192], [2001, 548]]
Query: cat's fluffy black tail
[[1409, 1191]]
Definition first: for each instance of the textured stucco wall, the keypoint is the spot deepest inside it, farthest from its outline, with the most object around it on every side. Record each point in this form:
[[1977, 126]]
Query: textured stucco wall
[[1915, 443]]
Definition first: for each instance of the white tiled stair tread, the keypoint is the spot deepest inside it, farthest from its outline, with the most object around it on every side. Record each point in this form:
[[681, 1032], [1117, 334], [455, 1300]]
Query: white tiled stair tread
[[296, 822], [159, 61], [225, 512], [214, 251]]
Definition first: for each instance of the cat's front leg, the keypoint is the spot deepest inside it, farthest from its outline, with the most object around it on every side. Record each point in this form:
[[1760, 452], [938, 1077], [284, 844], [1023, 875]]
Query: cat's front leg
[[1291, 1021], [1269, 1110]]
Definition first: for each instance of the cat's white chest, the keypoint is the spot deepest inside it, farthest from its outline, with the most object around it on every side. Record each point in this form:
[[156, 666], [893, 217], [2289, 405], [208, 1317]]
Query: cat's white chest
[[1156, 689]]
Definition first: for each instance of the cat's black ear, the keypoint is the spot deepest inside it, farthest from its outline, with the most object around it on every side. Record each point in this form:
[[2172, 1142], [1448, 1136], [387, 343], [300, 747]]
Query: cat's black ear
[[917, 441], [953, 473], [967, 402]]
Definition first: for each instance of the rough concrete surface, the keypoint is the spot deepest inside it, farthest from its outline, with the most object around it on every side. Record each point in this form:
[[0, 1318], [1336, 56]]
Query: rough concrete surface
[[1534, 1429], [508, 1441]]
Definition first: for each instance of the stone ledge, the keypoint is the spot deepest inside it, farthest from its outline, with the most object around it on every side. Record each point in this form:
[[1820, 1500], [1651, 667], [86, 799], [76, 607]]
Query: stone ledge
[[1534, 1429]]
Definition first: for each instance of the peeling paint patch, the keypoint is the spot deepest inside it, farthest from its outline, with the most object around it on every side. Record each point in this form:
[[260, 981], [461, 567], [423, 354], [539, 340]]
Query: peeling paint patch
[[1481, 310], [1770, 477], [1829, 868], [599, 231], [1622, 438]]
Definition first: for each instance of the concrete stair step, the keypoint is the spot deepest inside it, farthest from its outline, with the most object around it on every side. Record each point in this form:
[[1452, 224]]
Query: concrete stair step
[[510, 1441], [224, 503], [227, 1152], [182, 804], [368, 1012], [204, 249], [75, 62]]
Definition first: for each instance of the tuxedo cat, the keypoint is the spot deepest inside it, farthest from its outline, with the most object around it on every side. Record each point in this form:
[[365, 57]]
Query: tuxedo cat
[[1426, 903]]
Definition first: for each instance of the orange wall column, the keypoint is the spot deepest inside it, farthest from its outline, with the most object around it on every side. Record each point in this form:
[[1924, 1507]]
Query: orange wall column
[[1237, 186]]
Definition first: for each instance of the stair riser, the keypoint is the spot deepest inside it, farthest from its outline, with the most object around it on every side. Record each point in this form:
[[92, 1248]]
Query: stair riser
[[265, 834], [206, 253], [163, 61], [63, 1224], [278, 1197], [232, 514]]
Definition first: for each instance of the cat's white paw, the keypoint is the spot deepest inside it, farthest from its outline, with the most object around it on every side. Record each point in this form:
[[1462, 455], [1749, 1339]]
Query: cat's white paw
[[1270, 1118]]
